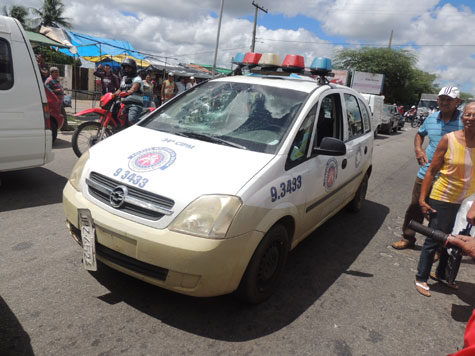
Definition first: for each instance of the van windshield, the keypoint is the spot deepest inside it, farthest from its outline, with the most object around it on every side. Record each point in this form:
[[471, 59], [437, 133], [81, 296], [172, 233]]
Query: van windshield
[[247, 116]]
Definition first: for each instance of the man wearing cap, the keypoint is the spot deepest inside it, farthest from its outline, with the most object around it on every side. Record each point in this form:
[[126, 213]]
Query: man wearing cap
[[191, 83], [169, 88], [434, 127]]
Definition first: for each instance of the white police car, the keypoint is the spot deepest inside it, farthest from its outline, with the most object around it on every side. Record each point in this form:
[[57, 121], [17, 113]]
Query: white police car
[[208, 194]]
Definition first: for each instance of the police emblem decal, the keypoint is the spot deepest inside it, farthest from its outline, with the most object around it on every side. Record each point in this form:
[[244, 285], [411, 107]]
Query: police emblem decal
[[151, 159], [331, 173]]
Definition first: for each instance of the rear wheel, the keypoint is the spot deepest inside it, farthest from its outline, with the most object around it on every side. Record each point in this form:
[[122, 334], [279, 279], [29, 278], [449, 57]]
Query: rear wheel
[[357, 202], [87, 135], [415, 123], [266, 266]]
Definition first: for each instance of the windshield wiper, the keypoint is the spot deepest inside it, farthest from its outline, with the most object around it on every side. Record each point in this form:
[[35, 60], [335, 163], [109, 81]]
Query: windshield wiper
[[209, 138]]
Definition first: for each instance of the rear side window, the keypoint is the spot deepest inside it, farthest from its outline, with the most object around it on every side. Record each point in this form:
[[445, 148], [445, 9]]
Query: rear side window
[[355, 122], [366, 116], [6, 65]]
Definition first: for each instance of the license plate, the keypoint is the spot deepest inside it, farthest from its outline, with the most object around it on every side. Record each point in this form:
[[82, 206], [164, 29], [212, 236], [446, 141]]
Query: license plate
[[88, 236]]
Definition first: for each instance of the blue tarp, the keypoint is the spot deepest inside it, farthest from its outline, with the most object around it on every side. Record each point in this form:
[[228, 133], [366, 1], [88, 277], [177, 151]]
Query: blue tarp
[[91, 46]]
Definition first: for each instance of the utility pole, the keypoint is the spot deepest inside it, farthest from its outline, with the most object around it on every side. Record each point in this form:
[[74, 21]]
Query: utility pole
[[217, 38], [390, 39], [255, 23]]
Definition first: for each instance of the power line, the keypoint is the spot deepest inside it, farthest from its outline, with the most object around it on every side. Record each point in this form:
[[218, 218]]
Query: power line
[[368, 44]]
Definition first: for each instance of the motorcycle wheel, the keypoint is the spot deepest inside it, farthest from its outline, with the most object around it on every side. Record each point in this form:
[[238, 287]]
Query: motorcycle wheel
[[415, 123], [87, 135]]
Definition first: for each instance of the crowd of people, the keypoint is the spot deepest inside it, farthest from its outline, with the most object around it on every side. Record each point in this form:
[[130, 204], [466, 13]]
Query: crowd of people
[[154, 92]]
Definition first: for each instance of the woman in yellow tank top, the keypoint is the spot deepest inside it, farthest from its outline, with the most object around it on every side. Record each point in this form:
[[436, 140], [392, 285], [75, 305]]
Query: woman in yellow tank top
[[454, 161]]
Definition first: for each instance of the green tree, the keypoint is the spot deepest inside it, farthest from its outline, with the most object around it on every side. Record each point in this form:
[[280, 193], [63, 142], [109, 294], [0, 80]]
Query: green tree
[[51, 14], [18, 12], [403, 82]]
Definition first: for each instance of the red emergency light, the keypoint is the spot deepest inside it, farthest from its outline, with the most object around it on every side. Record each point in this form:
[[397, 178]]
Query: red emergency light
[[251, 59], [293, 63]]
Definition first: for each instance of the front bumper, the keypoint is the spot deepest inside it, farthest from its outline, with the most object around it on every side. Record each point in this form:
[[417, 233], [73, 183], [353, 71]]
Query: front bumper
[[182, 263]]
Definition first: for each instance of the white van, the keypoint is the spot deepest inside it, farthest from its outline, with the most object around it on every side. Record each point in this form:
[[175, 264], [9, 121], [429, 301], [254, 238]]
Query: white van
[[208, 193], [376, 103], [25, 135]]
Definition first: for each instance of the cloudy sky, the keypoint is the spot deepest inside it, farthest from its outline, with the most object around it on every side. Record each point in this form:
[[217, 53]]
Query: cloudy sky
[[441, 33]]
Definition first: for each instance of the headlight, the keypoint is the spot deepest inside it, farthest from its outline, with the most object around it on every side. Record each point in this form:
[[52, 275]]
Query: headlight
[[77, 170], [208, 216]]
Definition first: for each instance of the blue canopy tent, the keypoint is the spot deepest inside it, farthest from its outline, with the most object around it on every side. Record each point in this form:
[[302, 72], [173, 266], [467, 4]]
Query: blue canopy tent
[[104, 50]]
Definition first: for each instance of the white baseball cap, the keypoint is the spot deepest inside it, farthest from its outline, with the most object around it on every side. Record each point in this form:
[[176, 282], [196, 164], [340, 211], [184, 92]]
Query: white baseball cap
[[453, 92]]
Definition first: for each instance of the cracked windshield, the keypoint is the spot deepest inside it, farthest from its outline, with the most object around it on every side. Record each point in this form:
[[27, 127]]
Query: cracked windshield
[[246, 116]]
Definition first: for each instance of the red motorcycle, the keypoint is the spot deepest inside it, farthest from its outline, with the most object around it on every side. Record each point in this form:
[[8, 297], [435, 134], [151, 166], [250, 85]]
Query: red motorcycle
[[113, 118]]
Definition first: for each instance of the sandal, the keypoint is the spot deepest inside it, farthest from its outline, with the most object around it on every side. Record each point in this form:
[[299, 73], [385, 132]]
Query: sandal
[[423, 288], [435, 277]]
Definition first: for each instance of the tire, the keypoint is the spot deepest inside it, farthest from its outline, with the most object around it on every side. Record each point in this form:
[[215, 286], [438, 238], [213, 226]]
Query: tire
[[357, 203], [376, 130], [86, 136], [54, 129], [415, 123], [265, 269]]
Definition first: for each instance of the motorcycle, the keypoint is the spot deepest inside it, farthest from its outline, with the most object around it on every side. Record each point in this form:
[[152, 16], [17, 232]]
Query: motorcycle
[[417, 121], [113, 118]]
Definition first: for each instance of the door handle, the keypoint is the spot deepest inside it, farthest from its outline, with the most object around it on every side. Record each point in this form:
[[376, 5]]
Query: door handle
[[343, 163]]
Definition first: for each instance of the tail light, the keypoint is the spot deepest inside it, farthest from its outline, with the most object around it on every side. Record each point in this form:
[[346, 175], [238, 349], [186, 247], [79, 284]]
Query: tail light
[[47, 116]]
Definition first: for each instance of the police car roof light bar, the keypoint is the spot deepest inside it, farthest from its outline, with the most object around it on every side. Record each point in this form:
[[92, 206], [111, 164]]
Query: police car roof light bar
[[322, 67], [270, 61], [293, 63], [251, 59], [239, 59]]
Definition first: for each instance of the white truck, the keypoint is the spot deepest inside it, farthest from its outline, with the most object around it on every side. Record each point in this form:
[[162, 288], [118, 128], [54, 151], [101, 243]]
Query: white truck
[[376, 103], [427, 103]]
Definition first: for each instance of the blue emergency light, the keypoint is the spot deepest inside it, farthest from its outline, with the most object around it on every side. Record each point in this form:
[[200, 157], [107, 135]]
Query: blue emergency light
[[239, 58], [321, 65]]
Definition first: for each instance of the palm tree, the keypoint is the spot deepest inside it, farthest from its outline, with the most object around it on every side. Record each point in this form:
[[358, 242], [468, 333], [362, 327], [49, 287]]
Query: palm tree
[[16, 11], [51, 14]]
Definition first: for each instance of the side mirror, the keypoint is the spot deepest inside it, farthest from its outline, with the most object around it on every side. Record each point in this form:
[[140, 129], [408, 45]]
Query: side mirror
[[330, 146]]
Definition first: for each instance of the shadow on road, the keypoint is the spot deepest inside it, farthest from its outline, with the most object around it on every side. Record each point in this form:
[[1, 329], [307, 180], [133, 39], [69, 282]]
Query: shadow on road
[[29, 188], [13, 338], [311, 269], [60, 144]]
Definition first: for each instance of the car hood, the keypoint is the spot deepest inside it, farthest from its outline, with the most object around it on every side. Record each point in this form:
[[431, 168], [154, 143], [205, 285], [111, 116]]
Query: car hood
[[176, 167]]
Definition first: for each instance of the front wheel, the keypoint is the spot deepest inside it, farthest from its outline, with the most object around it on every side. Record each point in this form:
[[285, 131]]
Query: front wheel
[[357, 202], [415, 123], [87, 135], [266, 266]]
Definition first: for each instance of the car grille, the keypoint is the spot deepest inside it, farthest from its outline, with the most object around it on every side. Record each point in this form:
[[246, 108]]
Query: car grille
[[130, 263], [137, 202]]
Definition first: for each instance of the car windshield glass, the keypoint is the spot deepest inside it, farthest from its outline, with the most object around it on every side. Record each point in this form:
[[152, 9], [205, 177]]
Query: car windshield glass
[[427, 104], [388, 109], [245, 116]]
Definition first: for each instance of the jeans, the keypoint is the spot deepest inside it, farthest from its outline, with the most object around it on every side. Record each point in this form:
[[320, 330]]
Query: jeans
[[413, 212], [134, 113], [443, 219]]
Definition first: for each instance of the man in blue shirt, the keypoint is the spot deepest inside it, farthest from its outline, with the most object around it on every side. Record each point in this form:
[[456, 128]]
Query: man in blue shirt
[[434, 127]]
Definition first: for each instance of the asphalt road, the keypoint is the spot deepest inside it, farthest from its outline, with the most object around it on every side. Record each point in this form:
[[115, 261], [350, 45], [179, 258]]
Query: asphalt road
[[345, 290]]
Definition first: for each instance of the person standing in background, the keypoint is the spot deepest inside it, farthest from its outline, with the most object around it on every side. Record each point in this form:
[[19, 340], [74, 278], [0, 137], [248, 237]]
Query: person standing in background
[[110, 81], [169, 88], [147, 91]]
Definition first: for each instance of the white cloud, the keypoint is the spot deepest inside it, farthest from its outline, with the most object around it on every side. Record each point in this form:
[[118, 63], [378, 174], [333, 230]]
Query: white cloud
[[186, 30]]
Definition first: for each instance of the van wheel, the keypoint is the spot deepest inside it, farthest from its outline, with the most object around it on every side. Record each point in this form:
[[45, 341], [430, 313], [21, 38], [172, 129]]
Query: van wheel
[[54, 129], [357, 202], [266, 266]]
